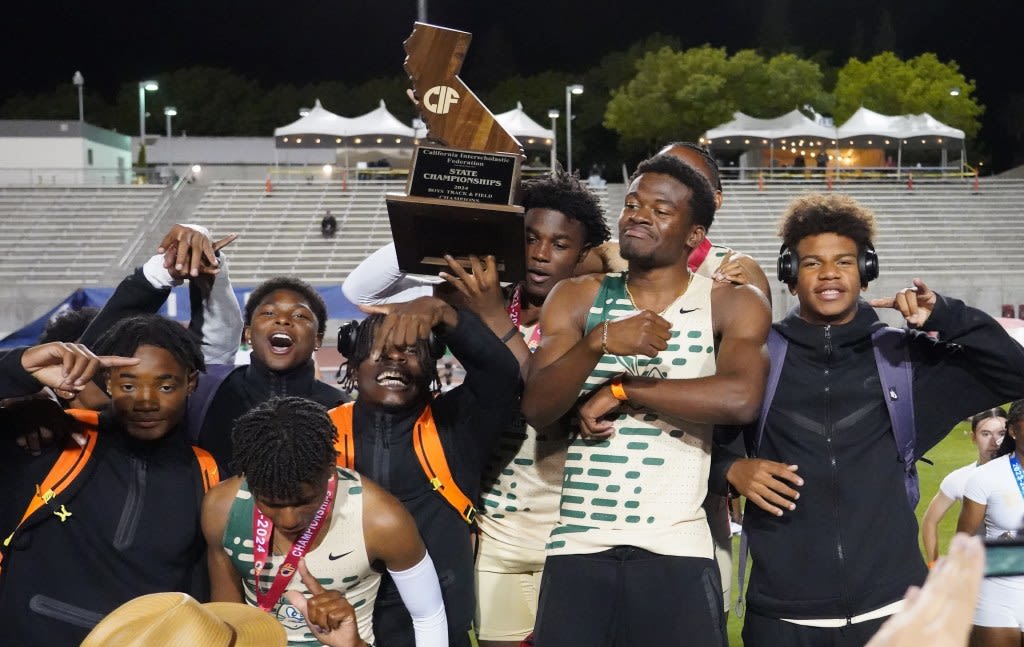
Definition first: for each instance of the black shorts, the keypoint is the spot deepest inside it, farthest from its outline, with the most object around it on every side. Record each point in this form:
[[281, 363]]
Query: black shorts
[[627, 596]]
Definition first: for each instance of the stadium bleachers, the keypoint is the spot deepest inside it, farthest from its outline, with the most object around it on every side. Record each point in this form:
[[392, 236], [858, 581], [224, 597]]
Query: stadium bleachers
[[280, 231], [70, 235]]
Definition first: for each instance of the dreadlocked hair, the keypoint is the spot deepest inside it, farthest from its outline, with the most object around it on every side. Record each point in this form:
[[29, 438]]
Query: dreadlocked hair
[[710, 164], [364, 343], [1015, 421], [563, 192], [292, 284], [283, 444], [125, 337]]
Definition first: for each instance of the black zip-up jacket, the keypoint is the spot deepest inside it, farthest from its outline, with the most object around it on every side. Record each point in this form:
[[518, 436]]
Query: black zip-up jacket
[[244, 388], [469, 420], [133, 529], [851, 544]]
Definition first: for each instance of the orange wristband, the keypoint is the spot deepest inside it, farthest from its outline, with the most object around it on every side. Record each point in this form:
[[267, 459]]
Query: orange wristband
[[617, 391]]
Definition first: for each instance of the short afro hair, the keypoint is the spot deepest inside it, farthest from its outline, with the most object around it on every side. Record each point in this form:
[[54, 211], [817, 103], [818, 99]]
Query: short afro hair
[[566, 193], [834, 213], [125, 337], [68, 325], [702, 196], [296, 285], [283, 444], [710, 164]]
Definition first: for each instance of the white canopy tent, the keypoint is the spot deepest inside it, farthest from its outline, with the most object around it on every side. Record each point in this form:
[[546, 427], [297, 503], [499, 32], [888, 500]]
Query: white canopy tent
[[319, 121], [519, 125], [745, 132], [911, 131]]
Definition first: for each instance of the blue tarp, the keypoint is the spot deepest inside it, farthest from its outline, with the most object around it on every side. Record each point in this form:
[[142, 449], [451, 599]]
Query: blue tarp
[[176, 307]]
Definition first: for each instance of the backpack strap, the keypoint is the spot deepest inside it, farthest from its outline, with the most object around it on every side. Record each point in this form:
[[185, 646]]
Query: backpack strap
[[427, 443], [341, 416], [777, 347], [207, 468], [69, 465], [429, 451], [896, 374]]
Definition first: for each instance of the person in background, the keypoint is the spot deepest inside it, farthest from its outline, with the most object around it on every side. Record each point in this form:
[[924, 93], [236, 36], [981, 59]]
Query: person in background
[[328, 225], [994, 504], [987, 431]]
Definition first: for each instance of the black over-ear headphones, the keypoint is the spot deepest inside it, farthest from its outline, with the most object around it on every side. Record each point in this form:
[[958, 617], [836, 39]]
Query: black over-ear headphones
[[349, 332], [867, 265]]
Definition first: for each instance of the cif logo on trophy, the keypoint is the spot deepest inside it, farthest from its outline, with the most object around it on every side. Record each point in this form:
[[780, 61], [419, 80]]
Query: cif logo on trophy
[[460, 198], [439, 99]]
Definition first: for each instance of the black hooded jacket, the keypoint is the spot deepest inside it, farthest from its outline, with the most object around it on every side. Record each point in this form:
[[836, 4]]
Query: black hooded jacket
[[469, 420], [850, 546]]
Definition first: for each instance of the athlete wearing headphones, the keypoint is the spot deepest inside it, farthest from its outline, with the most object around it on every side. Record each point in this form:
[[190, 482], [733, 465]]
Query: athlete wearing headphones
[[831, 565]]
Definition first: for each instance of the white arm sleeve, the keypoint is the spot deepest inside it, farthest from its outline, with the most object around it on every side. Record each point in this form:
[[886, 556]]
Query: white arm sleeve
[[220, 322], [378, 280], [421, 593]]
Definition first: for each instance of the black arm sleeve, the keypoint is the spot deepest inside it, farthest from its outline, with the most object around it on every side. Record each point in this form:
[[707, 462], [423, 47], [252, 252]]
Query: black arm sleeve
[[974, 365], [133, 296], [491, 391], [15, 381]]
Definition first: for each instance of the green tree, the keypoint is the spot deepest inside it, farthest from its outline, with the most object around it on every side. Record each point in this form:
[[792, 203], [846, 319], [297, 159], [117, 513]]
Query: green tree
[[892, 86], [679, 95], [674, 95]]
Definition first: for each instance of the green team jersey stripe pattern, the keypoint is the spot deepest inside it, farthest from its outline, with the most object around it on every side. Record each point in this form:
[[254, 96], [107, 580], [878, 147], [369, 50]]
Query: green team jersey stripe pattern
[[643, 486], [339, 561]]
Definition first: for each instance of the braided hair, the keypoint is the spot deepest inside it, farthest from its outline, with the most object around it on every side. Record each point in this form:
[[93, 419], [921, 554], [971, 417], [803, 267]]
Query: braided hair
[[283, 444], [361, 352], [125, 337]]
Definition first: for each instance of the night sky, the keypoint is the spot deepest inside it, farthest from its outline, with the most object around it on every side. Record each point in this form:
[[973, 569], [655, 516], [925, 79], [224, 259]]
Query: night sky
[[354, 40]]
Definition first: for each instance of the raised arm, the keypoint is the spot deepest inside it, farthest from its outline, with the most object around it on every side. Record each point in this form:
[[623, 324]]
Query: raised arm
[[378, 280]]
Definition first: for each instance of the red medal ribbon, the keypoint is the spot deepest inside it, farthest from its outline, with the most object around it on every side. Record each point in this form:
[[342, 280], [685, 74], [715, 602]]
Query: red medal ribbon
[[263, 531], [515, 309], [699, 253]]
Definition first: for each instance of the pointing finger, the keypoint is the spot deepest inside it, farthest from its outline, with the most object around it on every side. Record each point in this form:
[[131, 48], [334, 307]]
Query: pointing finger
[[311, 583]]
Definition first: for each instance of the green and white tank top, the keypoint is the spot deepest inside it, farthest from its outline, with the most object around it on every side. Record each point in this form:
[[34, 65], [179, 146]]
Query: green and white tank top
[[339, 562], [644, 486]]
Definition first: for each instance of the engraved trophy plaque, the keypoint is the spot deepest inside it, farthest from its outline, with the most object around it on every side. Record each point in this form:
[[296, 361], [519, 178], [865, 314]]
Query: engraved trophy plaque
[[460, 198]]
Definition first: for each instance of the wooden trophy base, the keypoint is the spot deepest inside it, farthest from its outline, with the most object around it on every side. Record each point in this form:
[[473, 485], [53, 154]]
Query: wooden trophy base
[[425, 229]]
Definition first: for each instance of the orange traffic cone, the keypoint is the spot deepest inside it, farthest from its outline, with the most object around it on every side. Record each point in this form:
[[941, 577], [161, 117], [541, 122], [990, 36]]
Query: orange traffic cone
[[977, 182], [910, 181], [760, 181]]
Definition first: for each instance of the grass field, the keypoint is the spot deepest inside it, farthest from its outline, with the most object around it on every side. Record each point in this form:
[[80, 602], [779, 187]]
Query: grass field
[[956, 450]]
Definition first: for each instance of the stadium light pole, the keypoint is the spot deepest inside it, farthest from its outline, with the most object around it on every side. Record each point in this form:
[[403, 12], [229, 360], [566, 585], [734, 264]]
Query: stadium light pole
[[170, 111], [79, 82], [553, 114], [570, 90], [144, 87]]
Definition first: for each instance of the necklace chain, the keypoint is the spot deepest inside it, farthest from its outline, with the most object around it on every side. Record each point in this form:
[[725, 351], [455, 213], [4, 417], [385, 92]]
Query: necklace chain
[[689, 276]]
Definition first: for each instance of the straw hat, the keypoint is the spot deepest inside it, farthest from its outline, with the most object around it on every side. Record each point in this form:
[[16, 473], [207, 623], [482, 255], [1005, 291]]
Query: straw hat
[[177, 620]]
